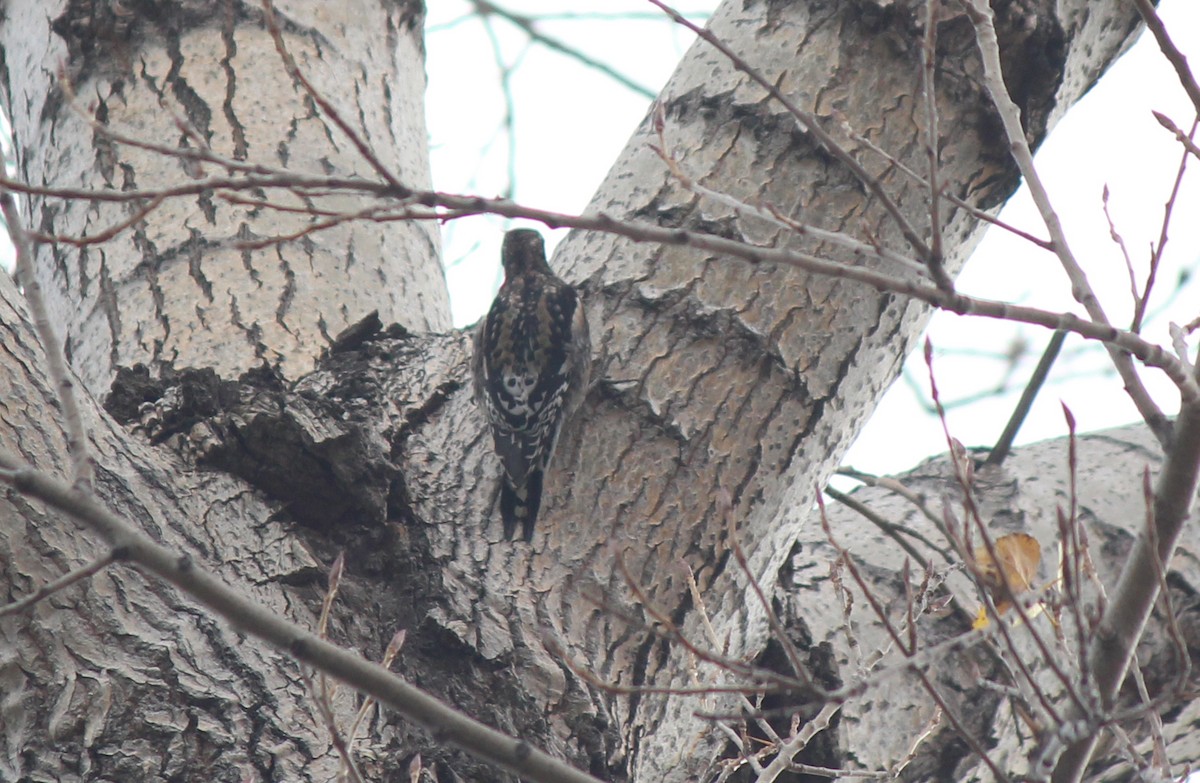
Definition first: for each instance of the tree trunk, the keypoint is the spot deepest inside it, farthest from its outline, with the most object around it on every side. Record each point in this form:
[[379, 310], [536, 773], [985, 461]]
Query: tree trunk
[[721, 379], [1026, 495], [178, 287]]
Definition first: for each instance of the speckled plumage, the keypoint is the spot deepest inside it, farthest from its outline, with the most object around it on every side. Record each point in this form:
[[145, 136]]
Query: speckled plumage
[[532, 366]]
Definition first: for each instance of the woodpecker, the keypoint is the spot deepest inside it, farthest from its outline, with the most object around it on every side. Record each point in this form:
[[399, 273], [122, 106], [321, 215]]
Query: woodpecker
[[532, 365]]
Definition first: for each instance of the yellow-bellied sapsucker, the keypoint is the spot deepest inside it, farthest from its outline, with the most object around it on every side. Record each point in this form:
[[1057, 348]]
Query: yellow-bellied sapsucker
[[532, 363]]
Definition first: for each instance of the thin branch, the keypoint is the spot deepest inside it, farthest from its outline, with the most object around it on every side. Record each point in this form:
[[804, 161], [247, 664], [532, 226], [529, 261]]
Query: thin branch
[[903, 167], [713, 639], [672, 631], [725, 502], [810, 124], [1174, 632], [463, 206], [756, 678], [892, 530], [1156, 253], [931, 725], [103, 236], [1115, 235], [321, 699], [389, 655], [895, 487], [528, 25], [1111, 648], [1075, 558], [935, 261], [270, 179], [1004, 444], [770, 214], [181, 570], [330, 111], [1170, 51], [508, 121], [980, 14], [56, 362], [1180, 136], [64, 581], [783, 758], [1005, 584]]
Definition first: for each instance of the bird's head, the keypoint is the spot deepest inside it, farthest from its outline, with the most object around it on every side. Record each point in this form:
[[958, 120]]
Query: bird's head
[[523, 252]]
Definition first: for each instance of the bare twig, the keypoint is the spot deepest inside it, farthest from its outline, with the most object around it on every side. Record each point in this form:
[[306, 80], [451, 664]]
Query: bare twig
[[64, 581], [936, 262], [1174, 632], [725, 502], [508, 121], [796, 743], [56, 362], [931, 725], [321, 699], [1156, 252], [1111, 648], [698, 599], [457, 206], [1007, 591], [1170, 51], [754, 678], [903, 167], [1004, 444], [769, 214], [181, 570], [1119, 241], [893, 530], [980, 14], [810, 124], [330, 111], [895, 487], [1074, 556], [103, 236], [528, 25], [1183, 138], [389, 655], [271, 178]]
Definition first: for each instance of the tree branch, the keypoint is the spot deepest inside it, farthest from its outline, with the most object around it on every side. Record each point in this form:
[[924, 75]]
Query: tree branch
[[443, 722]]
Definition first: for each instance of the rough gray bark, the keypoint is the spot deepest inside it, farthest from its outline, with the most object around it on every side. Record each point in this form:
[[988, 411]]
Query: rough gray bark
[[1025, 495], [176, 288], [754, 379], [720, 375]]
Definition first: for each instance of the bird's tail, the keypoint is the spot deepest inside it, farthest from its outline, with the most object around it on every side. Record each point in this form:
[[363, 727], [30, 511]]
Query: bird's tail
[[520, 504]]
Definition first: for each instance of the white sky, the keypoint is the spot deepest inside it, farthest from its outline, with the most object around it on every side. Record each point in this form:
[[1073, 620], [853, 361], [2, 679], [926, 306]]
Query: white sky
[[571, 122]]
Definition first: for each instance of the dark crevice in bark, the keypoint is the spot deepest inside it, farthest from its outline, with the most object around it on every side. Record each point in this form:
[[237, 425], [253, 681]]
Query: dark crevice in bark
[[329, 448]]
